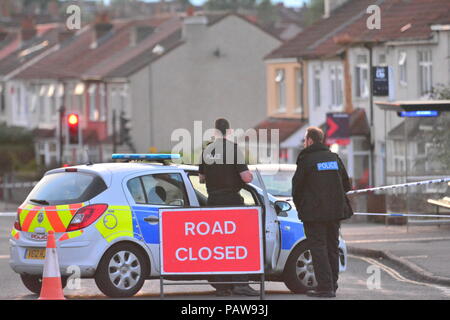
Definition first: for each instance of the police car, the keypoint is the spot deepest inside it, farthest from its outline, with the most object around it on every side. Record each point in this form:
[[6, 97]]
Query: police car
[[105, 219]]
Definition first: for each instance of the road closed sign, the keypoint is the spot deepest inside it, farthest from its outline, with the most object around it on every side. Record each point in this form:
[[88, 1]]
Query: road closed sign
[[211, 240]]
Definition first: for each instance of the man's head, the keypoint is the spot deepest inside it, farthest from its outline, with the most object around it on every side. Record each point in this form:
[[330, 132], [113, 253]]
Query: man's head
[[313, 135], [223, 126]]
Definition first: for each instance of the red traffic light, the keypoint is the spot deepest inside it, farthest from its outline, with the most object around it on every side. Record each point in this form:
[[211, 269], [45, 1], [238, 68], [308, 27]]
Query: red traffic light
[[72, 119], [73, 128]]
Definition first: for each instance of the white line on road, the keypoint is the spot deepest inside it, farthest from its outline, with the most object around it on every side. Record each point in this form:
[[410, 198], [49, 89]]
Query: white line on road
[[397, 240], [8, 214], [397, 276], [4, 256]]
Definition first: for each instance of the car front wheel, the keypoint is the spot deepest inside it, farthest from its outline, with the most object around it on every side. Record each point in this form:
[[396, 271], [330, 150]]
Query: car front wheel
[[299, 271], [122, 271]]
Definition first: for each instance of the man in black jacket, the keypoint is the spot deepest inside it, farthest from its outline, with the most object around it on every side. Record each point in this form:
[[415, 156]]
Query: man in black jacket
[[319, 189]]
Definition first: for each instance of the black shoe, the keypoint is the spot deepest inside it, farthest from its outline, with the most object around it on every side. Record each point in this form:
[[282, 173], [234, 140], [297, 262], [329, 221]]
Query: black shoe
[[321, 294], [245, 291], [223, 292]]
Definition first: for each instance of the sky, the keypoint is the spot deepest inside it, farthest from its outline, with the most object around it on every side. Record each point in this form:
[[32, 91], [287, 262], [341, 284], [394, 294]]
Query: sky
[[287, 3]]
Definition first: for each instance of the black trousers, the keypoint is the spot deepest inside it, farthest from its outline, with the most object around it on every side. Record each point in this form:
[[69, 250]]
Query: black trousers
[[226, 199], [323, 239]]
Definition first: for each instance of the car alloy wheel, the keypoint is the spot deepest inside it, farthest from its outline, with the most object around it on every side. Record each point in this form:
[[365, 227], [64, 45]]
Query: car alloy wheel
[[305, 270], [124, 270]]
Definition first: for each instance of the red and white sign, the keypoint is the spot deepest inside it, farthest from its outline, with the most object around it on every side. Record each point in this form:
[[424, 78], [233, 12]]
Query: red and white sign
[[211, 240]]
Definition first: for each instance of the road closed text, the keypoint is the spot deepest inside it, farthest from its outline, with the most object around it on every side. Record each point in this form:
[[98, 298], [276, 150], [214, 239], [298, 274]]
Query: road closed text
[[211, 240], [206, 253]]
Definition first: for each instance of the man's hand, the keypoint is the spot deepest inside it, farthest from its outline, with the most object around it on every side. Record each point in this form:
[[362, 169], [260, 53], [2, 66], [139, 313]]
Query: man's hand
[[246, 176], [201, 178]]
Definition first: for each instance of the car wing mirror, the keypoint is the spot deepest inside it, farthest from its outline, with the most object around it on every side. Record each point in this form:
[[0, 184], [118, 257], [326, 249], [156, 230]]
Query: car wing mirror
[[282, 207]]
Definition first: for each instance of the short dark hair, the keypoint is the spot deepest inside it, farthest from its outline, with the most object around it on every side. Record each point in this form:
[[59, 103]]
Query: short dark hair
[[222, 125], [315, 134]]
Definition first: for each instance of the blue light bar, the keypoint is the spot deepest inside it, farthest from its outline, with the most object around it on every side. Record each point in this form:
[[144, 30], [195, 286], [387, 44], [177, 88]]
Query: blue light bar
[[145, 156], [422, 113]]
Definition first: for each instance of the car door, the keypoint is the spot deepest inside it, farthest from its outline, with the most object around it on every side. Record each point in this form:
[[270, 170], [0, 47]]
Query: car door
[[252, 197], [273, 232], [147, 193]]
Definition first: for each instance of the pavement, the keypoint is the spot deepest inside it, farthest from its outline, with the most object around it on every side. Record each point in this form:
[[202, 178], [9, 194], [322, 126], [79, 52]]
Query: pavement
[[421, 251]]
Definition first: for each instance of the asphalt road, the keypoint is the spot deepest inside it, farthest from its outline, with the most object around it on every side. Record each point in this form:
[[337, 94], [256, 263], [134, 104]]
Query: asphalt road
[[384, 282]]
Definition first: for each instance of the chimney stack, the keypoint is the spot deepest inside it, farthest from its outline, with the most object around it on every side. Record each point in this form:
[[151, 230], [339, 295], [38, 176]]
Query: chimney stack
[[27, 29], [193, 26], [330, 6], [102, 25]]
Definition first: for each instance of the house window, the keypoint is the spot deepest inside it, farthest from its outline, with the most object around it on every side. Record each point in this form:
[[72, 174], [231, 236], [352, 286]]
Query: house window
[[42, 103], [102, 95], [299, 89], [93, 107], [382, 60], [402, 68], [317, 89], [425, 72], [362, 77], [280, 80], [2, 99], [336, 86]]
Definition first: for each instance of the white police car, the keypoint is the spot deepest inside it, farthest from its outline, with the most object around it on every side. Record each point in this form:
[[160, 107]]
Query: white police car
[[105, 218]]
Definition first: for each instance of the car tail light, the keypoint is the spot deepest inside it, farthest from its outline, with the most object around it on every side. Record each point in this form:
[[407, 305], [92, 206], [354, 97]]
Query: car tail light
[[86, 216], [17, 225]]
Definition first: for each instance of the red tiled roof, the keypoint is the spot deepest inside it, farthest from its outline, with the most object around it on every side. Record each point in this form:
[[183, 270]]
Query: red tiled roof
[[286, 127], [123, 57], [400, 20], [78, 57]]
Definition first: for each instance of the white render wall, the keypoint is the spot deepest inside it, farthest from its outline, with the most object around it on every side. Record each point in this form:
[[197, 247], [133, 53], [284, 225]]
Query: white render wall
[[191, 84]]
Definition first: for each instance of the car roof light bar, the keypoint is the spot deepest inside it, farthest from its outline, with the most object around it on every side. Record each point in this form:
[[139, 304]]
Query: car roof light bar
[[145, 156]]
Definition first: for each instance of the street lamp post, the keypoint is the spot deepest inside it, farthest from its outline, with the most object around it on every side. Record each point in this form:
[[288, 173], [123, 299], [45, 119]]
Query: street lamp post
[[62, 114]]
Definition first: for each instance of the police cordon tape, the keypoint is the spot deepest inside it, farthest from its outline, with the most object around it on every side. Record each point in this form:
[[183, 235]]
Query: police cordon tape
[[402, 185], [401, 215], [396, 186]]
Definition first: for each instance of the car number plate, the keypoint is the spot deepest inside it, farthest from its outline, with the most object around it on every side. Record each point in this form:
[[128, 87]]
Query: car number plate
[[35, 253]]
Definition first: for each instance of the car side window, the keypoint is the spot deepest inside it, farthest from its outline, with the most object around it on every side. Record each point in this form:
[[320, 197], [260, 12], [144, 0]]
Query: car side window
[[136, 190], [202, 193], [248, 197], [159, 189]]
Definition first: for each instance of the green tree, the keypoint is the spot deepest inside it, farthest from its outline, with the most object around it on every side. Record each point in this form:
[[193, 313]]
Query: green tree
[[315, 11], [441, 132], [16, 149], [267, 13]]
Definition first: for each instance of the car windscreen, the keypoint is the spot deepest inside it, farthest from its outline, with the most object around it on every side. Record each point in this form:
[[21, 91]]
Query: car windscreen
[[278, 184], [66, 188]]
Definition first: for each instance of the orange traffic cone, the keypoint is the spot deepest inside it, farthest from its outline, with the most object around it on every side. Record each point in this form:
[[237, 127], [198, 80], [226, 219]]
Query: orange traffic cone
[[51, 279]]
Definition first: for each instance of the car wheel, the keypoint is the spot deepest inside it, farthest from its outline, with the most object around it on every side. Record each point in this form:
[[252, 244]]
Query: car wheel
[[299, 271], [122, 271], [34, 283]]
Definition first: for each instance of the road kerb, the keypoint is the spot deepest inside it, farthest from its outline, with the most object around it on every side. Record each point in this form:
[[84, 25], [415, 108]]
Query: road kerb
[[420, 273]]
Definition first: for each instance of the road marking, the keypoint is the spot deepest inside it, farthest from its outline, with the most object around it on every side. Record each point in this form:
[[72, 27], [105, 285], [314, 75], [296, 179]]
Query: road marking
[[414, 257], [8, 214], [397, 276], [397, 240], [4, 257]]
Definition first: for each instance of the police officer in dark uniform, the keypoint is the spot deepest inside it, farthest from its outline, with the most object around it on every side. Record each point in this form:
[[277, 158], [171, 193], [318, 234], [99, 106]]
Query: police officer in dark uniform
[[319, 189], [224, 171]]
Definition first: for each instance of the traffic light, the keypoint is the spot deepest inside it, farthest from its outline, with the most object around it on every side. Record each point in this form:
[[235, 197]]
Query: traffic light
[[73, 122]]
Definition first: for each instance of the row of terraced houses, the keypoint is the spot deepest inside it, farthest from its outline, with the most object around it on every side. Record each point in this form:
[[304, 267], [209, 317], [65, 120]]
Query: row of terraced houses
[[166, 72]]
